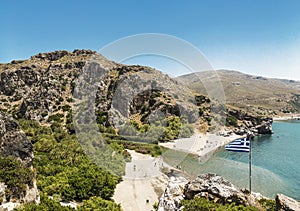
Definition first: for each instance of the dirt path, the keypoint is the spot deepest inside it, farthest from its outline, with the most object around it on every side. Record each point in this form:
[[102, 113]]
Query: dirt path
[[141, 183]]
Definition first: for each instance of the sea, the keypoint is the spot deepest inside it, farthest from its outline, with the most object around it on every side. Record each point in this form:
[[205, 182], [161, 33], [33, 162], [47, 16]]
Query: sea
[[275, 162]]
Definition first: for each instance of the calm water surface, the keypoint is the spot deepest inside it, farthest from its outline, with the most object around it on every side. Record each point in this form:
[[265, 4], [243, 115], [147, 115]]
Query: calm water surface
[[275, 162]]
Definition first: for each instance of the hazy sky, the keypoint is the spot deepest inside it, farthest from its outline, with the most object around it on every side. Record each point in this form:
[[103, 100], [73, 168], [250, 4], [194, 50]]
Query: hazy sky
[[259, 37]]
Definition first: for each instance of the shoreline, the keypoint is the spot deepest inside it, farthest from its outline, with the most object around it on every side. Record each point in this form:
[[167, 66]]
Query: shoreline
[[147, 177], [287, 117], [201, 145], [144, 182]]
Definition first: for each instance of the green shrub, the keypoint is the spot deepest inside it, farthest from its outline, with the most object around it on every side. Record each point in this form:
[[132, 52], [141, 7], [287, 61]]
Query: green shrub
[[56, 118], [66, 108], [205, 205], [98, 204], [268, 204], [231, 121], [15, 175]]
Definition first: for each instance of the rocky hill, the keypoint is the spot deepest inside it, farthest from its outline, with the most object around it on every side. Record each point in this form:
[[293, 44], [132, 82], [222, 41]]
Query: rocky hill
[[255, 94], [127, 99], [58, 95]]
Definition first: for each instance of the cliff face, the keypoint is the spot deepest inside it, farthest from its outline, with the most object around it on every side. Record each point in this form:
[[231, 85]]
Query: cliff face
[[16, 154], [13, 141]]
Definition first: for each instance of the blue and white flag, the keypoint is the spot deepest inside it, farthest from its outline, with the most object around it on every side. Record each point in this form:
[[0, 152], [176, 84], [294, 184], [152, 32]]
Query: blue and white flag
[[239, 145]]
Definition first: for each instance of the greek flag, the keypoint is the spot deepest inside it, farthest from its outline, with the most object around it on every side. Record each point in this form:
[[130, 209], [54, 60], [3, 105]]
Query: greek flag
[[239, 145]]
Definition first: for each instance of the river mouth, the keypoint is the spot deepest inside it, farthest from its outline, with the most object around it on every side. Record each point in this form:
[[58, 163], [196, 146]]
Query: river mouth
[[275, 162]]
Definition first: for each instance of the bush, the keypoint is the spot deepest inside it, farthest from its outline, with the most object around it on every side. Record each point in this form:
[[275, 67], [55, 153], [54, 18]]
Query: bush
[[98, 204], [268, 204], [66, 108], [205, 205], [56, 118], [15, 175], [231, 121]]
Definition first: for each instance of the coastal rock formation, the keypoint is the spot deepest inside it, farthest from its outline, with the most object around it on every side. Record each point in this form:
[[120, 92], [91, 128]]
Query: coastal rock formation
[[209, 186], [285, 203], [245, 122], [174, 193], [265, 127], [215, 188]]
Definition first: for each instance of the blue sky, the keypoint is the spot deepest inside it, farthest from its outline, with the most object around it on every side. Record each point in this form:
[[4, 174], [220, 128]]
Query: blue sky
[[259, 37]]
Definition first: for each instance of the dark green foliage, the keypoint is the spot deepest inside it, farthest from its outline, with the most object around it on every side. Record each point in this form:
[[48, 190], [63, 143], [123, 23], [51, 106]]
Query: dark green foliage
[[98, 204], [162, 130], [144, 148], [200, 99], [201, 112], [45, 113], [66, 108], [231, 121], [101, 117], [63, 168], [268, 204], [69, 100], [46, 204], [15, 175], [56, 118], [198, 204]]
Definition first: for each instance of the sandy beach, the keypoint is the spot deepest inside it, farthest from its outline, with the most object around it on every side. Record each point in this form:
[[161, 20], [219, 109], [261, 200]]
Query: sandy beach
[[142, 184], [199, 144], [285, 118], [144, 181]]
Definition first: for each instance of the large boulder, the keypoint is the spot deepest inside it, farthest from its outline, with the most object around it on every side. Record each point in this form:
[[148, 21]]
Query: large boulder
[[174, 193], [216, 188], [265, 127], [13, 141], [285, 203]]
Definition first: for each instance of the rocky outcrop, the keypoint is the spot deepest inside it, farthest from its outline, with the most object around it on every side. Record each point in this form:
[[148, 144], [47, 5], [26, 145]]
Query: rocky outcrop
[[285, 203], [174, 193], [209, 186], [265, 127], [13, 141], [215, 188], [245, 122]]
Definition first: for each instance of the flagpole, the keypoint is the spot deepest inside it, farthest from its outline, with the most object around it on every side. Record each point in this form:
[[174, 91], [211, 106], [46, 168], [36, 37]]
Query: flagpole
[[250, 176]]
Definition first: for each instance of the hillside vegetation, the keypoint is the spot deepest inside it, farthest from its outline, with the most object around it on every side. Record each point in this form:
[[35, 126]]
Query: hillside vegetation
[[254, 94], [79, 112]]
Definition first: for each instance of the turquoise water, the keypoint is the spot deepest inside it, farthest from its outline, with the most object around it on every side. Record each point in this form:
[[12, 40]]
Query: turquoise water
[[275, 162]]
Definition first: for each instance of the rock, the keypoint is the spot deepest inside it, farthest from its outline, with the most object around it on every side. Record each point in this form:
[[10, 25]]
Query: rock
[[255, 124], [13, 141], [52, 56], [170, 200], [265, 127], [215, 188], [285, 203]]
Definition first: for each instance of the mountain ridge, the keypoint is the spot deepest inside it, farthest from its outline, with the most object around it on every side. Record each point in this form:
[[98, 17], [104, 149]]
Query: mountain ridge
[[254, 94]]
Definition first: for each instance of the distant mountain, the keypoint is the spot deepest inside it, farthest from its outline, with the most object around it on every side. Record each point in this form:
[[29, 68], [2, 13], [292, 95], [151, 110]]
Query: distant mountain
[[254, 94]]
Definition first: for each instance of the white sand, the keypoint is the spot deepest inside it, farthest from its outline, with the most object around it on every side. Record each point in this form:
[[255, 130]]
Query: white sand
[[143, 178], [284, 118], [200, 144], [141, 182]]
